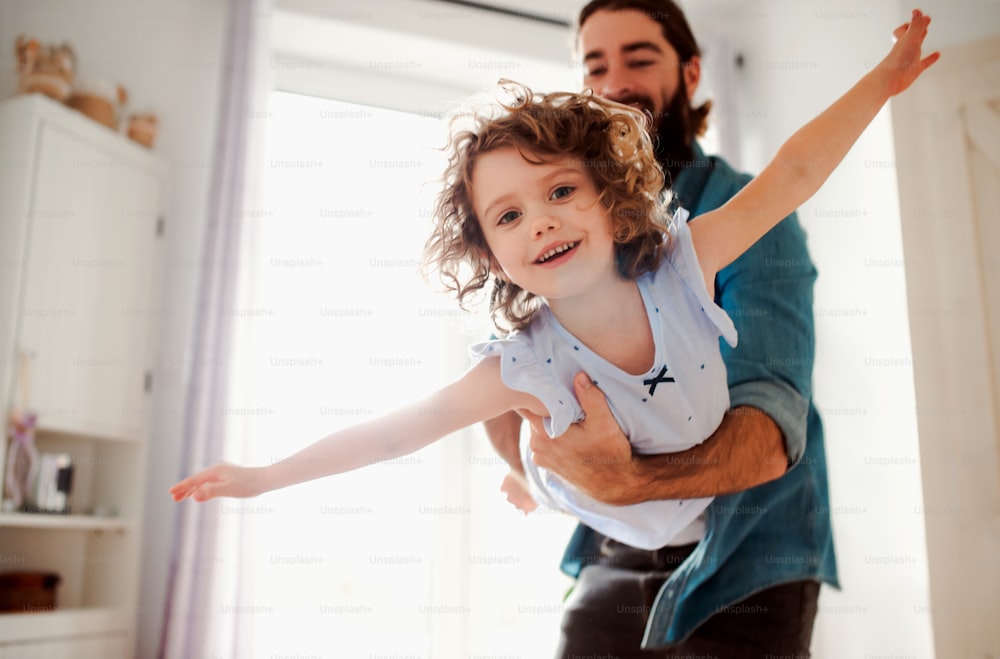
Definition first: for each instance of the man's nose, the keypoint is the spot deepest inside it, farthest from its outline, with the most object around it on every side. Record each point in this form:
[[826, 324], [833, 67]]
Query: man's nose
[[615, 85]]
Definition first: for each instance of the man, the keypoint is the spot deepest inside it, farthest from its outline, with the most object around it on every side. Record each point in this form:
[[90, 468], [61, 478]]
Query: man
[[743, 580]]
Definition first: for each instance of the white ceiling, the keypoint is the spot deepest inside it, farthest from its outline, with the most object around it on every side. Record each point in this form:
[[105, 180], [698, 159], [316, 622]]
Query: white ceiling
[[418, 38], [697, 11], [563, 10]]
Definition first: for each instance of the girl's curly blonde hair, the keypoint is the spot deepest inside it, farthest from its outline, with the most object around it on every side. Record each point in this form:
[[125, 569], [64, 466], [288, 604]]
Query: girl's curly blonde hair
[[608, 138]]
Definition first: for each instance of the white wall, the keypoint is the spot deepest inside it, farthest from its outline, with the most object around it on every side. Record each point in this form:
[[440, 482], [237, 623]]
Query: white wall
[[798, 57], [167, 56], [960, 21]]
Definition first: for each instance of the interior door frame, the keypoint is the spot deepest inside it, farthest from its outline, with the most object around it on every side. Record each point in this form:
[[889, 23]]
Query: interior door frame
[[954, 308]]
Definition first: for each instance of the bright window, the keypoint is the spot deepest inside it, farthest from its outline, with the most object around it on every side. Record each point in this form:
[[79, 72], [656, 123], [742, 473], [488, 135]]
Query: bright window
[[418, 557]]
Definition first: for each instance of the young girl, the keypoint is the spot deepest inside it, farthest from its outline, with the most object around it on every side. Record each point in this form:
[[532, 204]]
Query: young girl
[[558, 201]]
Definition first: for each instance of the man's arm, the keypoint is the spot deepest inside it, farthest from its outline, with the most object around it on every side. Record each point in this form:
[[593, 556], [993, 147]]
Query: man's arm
[[747, 449]]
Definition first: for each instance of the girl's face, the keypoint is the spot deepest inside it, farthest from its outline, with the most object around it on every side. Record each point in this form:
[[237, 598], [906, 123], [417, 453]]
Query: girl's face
[[543, 223]]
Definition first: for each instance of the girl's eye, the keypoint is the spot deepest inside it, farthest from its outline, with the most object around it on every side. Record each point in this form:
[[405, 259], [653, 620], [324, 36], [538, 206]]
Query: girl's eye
[[562, 191], [508, 217]]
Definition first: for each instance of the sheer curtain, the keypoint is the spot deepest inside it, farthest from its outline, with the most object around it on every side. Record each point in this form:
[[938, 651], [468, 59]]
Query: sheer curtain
[[297, 338], [417, 556], [203, 609], [336, 328]]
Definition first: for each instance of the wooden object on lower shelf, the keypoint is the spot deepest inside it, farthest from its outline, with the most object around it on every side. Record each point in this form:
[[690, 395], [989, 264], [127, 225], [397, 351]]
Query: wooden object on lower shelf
[[28, 591]]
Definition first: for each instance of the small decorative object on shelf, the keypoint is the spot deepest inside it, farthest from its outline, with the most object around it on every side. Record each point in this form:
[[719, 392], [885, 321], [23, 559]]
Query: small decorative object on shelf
[[52, 70], [102, 102], [46, 69], [22, 457], [53, 485]]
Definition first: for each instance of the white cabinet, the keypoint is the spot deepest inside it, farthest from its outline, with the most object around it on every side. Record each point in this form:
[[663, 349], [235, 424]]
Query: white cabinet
[[81, 221], [87, 287]]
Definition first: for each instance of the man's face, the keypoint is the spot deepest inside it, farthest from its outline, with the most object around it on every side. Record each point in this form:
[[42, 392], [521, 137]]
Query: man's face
[[627, 59]]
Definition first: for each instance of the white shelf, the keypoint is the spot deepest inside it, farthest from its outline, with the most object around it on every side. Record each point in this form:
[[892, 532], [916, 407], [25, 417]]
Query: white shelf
[[19, 627], [71, 522], [45, 427]]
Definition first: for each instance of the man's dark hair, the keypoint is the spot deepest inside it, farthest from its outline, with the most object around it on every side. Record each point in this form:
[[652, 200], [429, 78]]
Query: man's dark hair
[[678, 34]]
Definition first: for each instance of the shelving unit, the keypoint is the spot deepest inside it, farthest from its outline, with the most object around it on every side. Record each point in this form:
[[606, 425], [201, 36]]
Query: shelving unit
[[81, 221], [68, 522]]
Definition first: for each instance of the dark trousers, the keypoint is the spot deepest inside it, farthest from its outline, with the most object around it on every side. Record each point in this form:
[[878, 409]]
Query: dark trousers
[[606, 614]]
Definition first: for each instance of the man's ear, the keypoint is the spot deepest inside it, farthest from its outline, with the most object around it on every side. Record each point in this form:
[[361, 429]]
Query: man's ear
[[691, 70]]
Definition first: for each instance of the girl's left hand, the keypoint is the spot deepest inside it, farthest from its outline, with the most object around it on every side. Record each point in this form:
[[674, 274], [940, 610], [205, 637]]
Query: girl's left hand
[[904, 64], [517, 491]]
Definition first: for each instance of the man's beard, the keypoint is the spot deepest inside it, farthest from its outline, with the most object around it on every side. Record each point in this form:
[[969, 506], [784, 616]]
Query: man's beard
[[671, 132], [669, 129]]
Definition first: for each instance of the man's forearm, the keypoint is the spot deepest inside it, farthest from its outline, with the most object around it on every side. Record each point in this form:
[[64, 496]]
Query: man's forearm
[[747, 449]]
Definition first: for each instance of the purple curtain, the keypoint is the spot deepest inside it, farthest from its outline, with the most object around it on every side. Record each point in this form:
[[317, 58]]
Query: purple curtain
[[204, 597]]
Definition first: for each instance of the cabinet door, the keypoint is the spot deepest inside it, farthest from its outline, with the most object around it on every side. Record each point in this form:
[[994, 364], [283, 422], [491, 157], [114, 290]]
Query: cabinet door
[[89, 272]]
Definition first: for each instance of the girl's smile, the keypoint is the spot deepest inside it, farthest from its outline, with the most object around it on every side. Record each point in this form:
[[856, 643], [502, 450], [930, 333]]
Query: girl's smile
[[557, 254]]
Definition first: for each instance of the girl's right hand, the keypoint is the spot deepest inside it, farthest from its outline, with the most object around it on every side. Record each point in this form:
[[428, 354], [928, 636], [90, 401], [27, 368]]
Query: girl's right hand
[[220, 480], [905, 62]]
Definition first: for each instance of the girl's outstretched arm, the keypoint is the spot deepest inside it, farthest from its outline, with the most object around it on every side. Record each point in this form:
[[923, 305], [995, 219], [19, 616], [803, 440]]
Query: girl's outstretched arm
[[807, 159], [476, 396]]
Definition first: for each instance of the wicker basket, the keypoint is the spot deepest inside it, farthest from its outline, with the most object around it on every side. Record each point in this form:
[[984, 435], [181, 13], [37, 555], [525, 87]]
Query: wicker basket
[[98, 108]]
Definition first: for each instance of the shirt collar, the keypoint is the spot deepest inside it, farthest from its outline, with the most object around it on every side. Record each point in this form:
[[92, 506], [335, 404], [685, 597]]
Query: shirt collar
[[691, 181]]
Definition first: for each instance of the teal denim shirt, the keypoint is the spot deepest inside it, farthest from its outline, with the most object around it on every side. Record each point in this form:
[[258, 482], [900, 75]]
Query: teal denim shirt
[[776, 532]]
